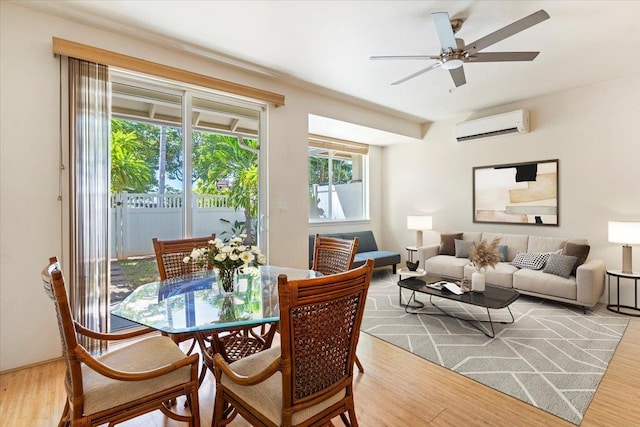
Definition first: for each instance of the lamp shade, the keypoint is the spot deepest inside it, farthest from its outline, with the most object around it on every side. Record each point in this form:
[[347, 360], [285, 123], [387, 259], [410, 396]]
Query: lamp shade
[[626, 232], [423, 222]]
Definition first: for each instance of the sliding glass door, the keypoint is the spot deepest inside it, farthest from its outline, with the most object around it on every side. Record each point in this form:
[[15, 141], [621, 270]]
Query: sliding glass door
[[184, 163]]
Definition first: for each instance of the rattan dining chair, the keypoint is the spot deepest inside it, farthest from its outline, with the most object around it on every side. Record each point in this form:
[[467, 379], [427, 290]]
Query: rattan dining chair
[[124, 383], [233, 344], [332, 255], [170, 256], [308, 379]]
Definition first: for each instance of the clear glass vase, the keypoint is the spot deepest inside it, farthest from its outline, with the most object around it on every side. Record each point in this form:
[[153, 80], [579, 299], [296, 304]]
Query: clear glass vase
[[227, 281], [228, 309]]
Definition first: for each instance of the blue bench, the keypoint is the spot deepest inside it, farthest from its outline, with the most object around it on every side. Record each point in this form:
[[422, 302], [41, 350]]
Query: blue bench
[[367, 248]]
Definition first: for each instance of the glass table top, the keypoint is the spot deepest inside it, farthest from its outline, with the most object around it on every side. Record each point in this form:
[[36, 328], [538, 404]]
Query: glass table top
[[194, 303]]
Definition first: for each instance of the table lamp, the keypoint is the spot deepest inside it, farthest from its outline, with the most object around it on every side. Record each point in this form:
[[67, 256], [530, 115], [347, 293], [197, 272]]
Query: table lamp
[[627, 233], [419, 223]]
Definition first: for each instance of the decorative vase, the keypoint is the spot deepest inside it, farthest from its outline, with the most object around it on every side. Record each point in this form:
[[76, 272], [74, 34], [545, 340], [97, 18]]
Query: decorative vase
[[477, 281], [413, 266], [227, 281], [228, 308]]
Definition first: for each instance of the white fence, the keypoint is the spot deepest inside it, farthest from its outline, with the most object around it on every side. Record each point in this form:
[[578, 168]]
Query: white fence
[[137, 218]]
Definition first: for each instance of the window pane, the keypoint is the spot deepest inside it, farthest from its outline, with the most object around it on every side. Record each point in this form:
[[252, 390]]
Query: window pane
[[336, 187]]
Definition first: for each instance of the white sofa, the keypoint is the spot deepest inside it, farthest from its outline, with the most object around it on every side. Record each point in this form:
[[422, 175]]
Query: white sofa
[[584, 287]]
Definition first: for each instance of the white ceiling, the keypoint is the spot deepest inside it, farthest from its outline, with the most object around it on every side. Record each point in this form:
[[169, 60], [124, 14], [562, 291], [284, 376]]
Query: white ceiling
[[328, 44]]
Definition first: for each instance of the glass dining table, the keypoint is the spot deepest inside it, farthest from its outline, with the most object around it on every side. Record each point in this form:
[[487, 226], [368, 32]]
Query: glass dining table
[[193, 303]]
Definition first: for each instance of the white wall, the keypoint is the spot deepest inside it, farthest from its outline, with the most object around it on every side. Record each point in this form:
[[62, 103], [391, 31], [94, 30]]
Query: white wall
[[30, 214], [594, 131]]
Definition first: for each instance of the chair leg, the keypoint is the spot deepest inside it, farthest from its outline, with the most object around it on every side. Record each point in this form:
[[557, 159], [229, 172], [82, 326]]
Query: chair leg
[[353, 421], [203, 373], [191, 347], [65, 419], [360, 367], [194, 406]]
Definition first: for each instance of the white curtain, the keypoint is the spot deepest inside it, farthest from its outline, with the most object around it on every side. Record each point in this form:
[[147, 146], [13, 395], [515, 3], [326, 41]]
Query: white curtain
[[89, 130]]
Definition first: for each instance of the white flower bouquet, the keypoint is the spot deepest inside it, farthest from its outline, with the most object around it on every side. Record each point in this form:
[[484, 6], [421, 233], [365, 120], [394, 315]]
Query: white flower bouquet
[[229, 255]]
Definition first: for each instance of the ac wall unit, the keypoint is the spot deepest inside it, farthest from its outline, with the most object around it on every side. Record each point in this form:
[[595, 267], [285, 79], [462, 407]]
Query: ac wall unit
[[501, 124]]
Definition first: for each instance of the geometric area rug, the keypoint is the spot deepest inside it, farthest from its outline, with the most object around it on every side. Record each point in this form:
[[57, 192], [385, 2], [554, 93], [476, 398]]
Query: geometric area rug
[[553, 356]]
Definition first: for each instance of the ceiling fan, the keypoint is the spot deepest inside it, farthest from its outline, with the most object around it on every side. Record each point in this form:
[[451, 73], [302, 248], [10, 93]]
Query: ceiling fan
[[454, 53]]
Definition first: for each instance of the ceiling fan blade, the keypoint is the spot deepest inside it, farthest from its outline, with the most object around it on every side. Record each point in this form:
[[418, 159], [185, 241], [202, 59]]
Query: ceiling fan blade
[[457, 74], [502, 56], [508, 31], [444, 30], [424, 70], [418, 57]]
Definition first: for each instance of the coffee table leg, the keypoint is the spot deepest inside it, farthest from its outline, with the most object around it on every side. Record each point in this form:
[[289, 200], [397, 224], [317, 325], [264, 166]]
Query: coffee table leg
[[477, 324], [409, 304]]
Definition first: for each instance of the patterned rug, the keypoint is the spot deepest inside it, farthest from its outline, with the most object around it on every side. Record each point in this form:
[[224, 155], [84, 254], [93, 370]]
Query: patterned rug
[[553, 356]]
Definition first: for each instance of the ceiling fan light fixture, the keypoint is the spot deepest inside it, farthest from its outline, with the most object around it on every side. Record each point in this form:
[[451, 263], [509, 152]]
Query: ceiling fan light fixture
[[452, 64]]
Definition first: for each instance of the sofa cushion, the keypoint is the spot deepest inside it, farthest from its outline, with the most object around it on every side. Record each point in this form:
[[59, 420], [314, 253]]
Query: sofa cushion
[[462, 248], [501, 274], [530, 260], [545, 244], [515, 242], [474, 236], [578, 250], [447, 245], [560, 265], [545, 284], [446, 265]]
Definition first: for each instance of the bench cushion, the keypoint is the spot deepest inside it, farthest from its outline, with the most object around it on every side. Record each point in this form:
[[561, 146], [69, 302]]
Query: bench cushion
[[367, 248], [381, 258]]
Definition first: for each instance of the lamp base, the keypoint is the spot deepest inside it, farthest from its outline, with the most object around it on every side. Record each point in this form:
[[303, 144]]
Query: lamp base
[[627, 260]]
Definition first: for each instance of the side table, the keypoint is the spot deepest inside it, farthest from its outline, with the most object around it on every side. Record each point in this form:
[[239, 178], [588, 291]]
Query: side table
[[629, 310]]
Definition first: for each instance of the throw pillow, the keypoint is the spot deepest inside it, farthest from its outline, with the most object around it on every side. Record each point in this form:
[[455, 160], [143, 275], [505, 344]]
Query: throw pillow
[[560, 265], [447, 247], [577, 250], [530, 260], [462, 248], [502, 249]]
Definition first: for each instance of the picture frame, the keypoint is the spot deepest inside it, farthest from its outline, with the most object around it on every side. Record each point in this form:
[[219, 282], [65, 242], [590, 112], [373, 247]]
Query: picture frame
[[518, 193]]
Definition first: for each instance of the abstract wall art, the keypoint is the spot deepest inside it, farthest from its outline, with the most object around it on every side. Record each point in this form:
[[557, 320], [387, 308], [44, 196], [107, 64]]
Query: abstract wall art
[[519, 193]]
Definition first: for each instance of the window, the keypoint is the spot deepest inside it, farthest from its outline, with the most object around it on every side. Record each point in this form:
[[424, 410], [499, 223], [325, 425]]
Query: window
[[337, 180]]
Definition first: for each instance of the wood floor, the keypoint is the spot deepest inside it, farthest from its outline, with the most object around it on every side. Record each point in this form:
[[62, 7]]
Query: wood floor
[[397, 389]]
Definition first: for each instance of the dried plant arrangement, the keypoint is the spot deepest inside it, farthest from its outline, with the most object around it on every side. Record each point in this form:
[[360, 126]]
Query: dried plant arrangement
[[484, 254]]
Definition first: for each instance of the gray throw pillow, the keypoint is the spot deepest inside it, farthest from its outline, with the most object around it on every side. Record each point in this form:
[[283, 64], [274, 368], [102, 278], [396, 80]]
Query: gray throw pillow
[[462, 248], [530, 260], [447, 246], [560, 265]]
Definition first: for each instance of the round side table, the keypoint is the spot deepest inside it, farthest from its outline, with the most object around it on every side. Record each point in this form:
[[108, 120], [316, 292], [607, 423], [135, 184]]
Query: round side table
[[410, 275], [628, 310]]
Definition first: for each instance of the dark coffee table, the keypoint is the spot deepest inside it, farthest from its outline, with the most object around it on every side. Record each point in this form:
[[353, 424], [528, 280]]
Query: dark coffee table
[[494, 297]]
